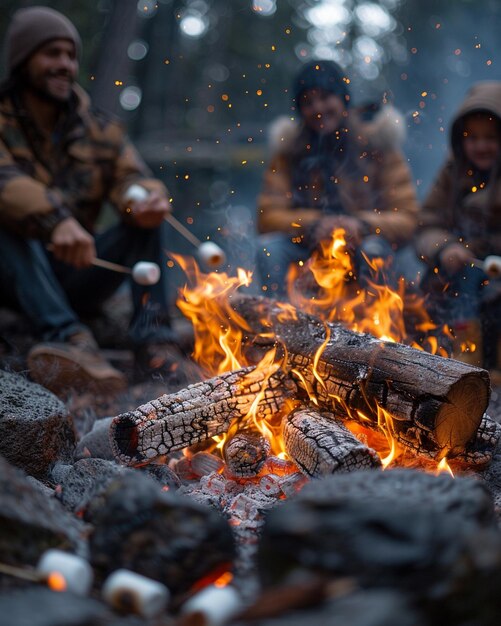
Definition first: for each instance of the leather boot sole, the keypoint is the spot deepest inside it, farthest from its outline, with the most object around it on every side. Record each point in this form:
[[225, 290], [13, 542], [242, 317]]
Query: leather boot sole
[[64, 368]]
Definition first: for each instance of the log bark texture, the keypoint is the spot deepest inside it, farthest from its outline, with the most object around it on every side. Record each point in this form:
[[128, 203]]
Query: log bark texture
[[246, 453], [436, 403], [196, 413], [320, 444]]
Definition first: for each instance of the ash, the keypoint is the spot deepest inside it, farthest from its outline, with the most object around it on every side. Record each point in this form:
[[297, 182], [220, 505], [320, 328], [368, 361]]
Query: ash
[[244, 502]]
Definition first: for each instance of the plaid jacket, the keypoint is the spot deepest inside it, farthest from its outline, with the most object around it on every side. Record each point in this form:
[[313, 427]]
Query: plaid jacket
[[88, 160]]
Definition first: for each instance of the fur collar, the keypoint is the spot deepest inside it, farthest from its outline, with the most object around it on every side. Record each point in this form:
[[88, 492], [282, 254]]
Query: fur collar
[[385, 131]]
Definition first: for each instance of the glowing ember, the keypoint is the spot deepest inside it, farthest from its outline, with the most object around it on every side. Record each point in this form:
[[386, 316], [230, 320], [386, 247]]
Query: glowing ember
[[223, 580], [56, 582]]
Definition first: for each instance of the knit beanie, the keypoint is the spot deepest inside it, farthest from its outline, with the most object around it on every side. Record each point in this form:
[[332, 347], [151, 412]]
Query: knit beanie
[[32, 27], [325, 75]]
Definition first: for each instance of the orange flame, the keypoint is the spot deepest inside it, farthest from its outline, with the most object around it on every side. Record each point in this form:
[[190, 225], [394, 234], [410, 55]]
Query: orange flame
[[443, 467], [218, 329], [219, 332], [324, 286]]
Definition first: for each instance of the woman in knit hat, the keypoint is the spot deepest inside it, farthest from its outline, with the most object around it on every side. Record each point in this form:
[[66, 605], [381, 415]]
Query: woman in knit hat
[[329, 170]]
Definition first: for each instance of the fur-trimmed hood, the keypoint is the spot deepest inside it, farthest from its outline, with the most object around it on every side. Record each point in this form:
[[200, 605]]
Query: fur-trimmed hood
[[385, 131]]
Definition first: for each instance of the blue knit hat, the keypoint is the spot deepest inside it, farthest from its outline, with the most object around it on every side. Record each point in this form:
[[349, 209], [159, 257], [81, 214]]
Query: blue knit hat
[[326, 75]]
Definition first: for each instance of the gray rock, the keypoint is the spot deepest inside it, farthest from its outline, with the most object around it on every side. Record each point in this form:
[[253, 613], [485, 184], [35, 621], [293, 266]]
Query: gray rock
[[432, 537], [157, 533], [363, 608], [78, 483], [39, 606], [96, 443], [31, 522], [35, 427]]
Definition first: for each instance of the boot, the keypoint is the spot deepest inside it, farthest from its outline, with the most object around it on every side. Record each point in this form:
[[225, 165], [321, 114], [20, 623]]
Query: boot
[[74, 364], [468, 343]]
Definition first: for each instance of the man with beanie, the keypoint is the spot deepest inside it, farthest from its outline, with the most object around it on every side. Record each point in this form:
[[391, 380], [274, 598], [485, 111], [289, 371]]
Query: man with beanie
[[60, 160], [329, 169]]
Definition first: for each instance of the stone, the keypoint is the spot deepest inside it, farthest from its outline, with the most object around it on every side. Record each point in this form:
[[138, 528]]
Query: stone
[[31, 522], [96, 443], [157, 533], [35, 427], [39, 606], [432, 537]]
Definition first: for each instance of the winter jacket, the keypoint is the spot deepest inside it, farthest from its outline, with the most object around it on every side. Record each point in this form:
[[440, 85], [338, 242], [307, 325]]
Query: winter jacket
[[381, 195], [87, 161], [461, 206]]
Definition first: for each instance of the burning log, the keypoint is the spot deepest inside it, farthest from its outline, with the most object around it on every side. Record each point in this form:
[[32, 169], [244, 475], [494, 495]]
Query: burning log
[[246, 453], [479, 451], [196, 413], [435, 404], [320, 444]]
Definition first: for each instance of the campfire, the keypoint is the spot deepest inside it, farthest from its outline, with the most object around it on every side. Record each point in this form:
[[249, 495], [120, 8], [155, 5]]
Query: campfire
[[285, 438], [300, 390], [304, 385]]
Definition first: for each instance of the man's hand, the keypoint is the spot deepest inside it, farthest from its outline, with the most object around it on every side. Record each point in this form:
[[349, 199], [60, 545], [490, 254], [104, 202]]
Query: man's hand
[[72, 244], [454, 257], [150, 213]]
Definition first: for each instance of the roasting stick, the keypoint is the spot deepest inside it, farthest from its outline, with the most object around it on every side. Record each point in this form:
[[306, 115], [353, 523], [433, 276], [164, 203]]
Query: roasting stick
[[208, 252], [20, 572], [182, 230], [143, 272]]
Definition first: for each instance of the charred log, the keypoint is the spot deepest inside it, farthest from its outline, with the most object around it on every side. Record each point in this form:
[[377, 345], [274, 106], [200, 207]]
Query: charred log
[[320, 444], [246, 453], [196, 413], [436, 404], [478, 452]]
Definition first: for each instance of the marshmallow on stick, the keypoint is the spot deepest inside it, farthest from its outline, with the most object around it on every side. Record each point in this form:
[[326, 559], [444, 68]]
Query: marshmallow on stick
[[208, 252], [492, 266], [75, 573]]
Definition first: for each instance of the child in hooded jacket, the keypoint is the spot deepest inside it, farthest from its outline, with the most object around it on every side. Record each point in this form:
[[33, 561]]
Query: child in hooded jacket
[[460, 225], [331, 170]]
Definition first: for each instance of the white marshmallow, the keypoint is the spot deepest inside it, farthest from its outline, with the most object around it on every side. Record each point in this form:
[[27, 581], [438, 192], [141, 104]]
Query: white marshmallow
[[211, 254], [217, 604], [124, 589], [146, 273], [136, 193], [492, 266], [77, 573]]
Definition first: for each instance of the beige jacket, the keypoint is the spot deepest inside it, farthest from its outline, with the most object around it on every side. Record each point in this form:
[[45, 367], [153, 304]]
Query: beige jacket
[[457, 207], [383, 197]]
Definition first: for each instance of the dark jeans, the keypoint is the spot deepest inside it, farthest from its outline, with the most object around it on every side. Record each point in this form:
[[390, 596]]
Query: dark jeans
[[466, 295], [276, 252], [53, 295]]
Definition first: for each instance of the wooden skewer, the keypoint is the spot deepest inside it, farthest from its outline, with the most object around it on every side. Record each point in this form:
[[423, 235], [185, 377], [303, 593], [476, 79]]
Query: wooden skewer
[[19, 572], [108, 265], [182, 230]]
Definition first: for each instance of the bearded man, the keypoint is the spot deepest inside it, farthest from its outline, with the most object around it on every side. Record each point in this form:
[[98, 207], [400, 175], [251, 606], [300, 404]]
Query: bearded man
[[60, 161]]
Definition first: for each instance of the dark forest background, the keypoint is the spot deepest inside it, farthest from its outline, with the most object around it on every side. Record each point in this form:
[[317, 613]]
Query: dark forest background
[[199, 81]]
